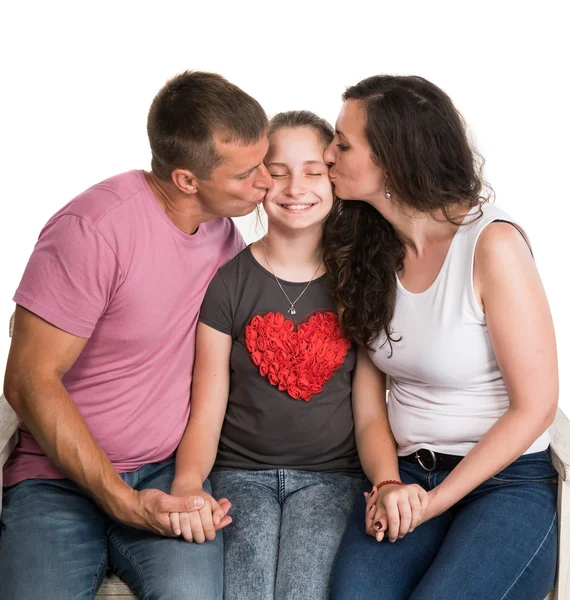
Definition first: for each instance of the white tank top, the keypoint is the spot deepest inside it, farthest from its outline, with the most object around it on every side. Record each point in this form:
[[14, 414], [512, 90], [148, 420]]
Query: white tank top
[[446, 388]]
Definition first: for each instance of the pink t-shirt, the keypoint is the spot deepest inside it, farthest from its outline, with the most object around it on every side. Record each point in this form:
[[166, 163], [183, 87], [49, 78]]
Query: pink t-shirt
[[110, 266]]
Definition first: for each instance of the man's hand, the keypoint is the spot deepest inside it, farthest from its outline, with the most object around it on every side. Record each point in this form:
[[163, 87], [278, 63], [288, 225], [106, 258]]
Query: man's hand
[[201, 525], [150, 510], [395, 509]]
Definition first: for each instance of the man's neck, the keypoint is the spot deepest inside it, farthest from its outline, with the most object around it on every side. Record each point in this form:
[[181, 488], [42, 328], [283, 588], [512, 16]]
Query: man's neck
[[183, 210]]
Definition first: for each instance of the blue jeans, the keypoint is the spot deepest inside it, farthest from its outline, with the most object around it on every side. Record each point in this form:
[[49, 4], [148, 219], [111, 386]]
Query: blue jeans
[[286, 529], [56, 543], [497, 543]]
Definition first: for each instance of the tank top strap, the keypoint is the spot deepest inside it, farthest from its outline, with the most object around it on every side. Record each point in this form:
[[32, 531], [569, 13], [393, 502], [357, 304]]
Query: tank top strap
[[459, 266], [478, 218]]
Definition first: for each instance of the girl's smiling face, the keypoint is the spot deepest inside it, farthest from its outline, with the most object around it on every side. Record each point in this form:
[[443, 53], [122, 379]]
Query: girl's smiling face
[[301, 196]]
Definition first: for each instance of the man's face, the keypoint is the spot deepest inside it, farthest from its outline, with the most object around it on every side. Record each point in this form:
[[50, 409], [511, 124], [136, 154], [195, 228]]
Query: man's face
[[239, 183]]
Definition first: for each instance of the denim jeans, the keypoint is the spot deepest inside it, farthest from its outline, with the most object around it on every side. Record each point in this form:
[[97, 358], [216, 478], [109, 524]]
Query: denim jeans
[[56, 544], [286, 529], [497, 543]]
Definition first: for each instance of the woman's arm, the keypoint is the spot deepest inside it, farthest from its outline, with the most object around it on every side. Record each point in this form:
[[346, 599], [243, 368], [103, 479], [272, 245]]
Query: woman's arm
[[522, 336], [197, 450], [397, 508]]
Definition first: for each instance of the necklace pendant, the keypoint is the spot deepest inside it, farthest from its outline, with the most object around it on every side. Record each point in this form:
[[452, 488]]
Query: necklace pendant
[[292, 310]]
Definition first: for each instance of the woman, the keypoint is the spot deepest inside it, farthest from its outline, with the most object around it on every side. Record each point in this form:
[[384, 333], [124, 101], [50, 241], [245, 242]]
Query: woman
[[271, 358], [442, 289]]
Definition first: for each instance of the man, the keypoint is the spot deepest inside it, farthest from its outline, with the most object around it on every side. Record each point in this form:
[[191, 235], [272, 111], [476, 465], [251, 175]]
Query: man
[[100, 365]]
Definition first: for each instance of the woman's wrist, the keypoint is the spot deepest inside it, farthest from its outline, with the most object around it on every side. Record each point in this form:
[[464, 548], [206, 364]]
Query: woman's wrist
[[377, 486]]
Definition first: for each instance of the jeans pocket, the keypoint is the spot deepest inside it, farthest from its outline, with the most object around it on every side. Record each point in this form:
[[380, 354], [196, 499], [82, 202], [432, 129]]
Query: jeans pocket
[[549, 457], [536, 467]]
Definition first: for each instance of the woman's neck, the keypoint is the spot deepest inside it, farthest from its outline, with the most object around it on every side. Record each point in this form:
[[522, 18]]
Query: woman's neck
[[292, 258], [418, 230]]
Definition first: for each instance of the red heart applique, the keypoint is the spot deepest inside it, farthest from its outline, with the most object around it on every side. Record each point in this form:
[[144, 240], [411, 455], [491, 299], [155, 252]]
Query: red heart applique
[[298, 362]]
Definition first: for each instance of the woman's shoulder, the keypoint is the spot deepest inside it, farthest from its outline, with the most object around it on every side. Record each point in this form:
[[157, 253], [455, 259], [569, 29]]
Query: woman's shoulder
[[482, 215], [488, 225], [492, 211], [500, 242], [499, 233]]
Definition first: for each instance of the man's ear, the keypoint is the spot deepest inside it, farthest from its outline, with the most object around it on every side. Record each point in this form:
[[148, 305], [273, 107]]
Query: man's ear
[[185, 181]]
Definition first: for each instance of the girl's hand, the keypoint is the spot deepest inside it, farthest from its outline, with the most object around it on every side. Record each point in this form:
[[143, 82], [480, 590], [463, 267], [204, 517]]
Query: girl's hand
[[394, 510], [200, 525]]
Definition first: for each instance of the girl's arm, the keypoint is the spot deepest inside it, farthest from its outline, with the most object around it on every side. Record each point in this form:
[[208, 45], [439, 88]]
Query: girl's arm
[[397, 508], [522, 336], [376, 445], [197, 450]]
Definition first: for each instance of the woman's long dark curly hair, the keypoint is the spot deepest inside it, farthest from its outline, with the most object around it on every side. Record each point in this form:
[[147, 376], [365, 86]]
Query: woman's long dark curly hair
[[419, 139]]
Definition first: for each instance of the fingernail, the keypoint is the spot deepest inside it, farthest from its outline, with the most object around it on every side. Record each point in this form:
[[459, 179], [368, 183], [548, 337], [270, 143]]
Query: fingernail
[[378, 526], [198, 501]]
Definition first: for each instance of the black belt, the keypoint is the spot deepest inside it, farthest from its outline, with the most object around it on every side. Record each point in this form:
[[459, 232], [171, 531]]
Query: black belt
[[429, 460]]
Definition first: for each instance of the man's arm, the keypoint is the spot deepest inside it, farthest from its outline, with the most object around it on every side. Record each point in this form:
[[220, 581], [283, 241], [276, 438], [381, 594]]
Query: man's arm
[[40, 355]]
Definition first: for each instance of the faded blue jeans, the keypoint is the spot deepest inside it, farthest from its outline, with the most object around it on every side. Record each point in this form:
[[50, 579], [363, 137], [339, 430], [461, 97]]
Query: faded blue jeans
[[498, 543], [56, 544], [285, 533]]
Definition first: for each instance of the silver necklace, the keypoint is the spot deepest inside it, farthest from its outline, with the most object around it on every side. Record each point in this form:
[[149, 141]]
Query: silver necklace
[[291, 309]]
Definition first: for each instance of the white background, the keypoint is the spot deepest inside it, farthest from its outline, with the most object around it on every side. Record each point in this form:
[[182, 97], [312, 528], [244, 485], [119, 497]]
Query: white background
[[78, 78]]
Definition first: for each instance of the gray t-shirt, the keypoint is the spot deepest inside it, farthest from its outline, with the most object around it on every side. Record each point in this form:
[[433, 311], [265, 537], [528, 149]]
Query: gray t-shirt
[[290, 383]]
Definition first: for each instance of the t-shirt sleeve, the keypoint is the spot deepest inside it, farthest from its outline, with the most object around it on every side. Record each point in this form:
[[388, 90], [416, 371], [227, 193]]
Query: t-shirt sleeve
[[239, 241], [71, 276], [216, 309]]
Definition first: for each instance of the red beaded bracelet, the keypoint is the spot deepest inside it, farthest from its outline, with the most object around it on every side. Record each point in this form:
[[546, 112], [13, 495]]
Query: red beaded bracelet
[[389, 482]]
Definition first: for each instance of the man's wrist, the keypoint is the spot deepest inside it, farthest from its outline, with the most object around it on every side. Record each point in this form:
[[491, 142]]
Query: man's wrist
[[121, 503]]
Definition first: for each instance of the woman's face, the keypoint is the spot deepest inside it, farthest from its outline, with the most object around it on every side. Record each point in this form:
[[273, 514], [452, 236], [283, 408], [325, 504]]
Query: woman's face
[[352, 171], [301, 195]]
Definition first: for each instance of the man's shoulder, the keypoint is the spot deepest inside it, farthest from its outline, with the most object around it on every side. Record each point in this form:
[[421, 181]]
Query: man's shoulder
[[237, 265], [103, 198], [221, 227]]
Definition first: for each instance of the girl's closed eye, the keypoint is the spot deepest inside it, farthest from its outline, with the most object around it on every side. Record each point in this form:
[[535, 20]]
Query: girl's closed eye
[[342, 147]]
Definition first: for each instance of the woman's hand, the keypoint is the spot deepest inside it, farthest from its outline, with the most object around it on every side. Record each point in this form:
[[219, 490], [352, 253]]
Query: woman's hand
[[395, 510], [200, 525]]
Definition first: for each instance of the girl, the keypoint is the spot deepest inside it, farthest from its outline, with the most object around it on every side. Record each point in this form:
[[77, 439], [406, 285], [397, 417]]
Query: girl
[[273, 381]]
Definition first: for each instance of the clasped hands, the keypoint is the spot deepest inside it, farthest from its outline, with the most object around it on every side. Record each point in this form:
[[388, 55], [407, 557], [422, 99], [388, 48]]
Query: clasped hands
[[396, 510], [202, 523]]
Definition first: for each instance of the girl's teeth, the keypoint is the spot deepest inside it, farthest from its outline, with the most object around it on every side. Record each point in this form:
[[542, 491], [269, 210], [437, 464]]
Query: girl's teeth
[[297, 206]]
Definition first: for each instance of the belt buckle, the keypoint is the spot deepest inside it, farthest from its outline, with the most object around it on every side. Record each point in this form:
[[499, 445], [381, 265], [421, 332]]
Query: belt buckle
[[433, 458]]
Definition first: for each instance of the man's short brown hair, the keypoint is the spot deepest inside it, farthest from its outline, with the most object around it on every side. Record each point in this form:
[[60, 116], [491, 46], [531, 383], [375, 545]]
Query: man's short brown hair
[[189, 111]]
